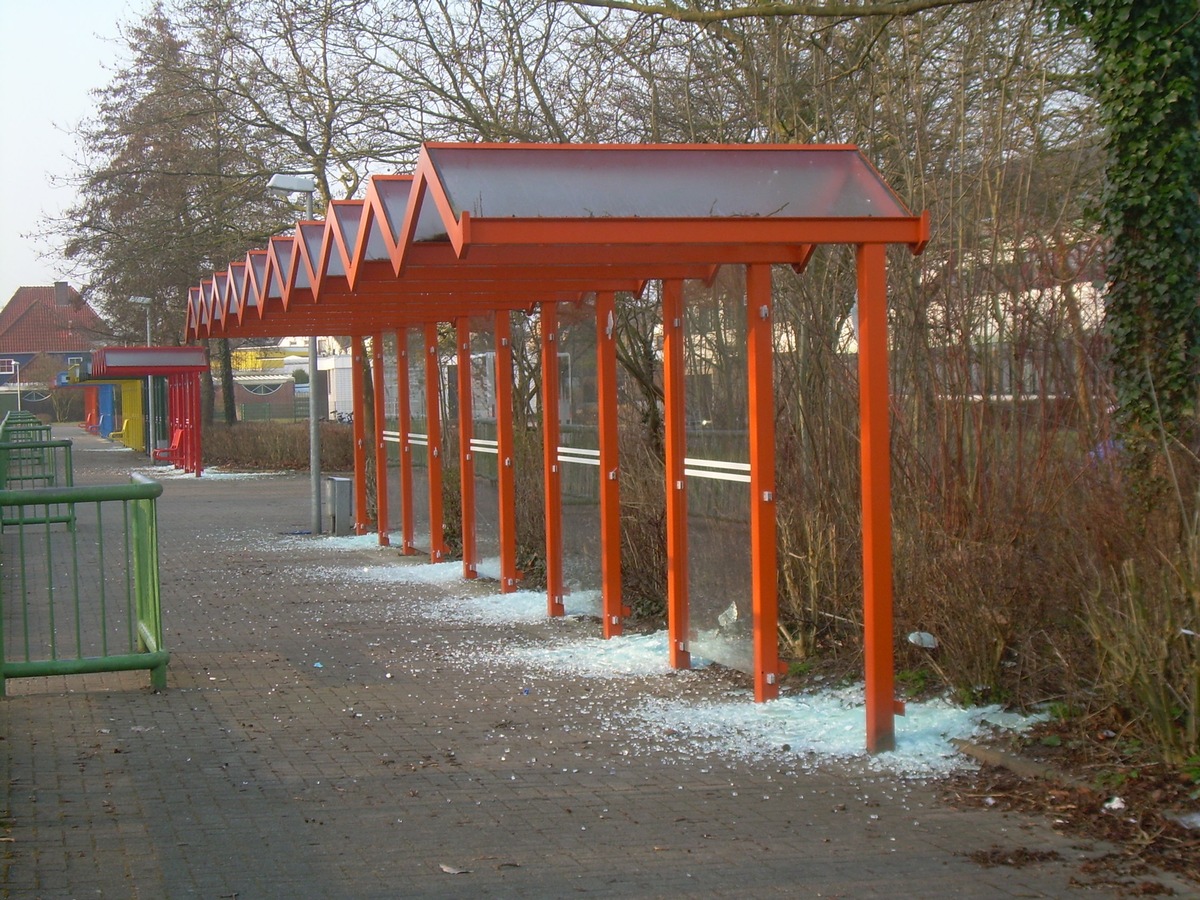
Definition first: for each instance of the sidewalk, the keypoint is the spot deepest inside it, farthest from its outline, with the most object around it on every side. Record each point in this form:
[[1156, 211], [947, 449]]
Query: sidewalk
[[410, 764]]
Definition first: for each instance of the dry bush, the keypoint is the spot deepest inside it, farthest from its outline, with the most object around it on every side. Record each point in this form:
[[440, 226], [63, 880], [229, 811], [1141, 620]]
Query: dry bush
[[1144, 619], [1147, 638], [274, 445], [530, 508], [643, 527], [1000, 584]]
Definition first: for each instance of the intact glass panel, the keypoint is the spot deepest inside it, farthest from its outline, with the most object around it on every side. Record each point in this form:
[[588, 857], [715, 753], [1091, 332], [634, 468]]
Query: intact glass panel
[[391, 438], [418, 437], [579, 456], [484, 448]]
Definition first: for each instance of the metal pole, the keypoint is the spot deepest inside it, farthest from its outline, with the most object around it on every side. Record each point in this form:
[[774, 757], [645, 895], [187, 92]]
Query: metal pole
[[150, 442], [18, 365], [876, 474], [314, 426]]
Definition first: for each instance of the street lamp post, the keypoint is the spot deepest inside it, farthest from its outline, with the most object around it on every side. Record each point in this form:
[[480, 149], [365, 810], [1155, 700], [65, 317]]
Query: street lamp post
[[307, 185], [150, 436]]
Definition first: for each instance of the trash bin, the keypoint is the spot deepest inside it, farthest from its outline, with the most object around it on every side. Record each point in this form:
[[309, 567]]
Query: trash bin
[[339, 500]]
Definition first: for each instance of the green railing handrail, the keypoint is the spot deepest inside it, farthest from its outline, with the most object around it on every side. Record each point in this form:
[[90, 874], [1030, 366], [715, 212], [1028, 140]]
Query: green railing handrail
[[25, 465], [25, 445], [23, 420], [16, 417], [26, 434], [141, 488], [133, 559]]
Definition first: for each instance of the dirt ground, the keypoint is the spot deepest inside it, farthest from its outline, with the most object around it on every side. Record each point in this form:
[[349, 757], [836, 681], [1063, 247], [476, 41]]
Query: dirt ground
[[1088, 780]]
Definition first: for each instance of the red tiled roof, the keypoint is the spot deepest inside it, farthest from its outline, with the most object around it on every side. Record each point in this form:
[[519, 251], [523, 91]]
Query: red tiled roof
[[32, 321]]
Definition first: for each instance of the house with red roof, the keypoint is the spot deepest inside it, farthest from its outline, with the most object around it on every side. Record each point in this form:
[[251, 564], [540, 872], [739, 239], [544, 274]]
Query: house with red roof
[[43, 329]]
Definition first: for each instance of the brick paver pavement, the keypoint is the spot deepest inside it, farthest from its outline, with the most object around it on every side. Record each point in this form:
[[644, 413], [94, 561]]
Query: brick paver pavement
[[412, 764]]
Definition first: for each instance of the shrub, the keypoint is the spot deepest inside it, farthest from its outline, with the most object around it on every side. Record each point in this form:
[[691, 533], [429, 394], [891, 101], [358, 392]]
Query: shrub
[[274, 445]]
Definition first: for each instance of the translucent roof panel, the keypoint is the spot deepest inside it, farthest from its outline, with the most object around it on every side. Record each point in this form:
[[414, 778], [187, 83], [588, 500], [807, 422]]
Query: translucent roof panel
[[342, 225], [257, 260], [220, 282], [237, 282], [654, 181], [393, 200], [312, 235], [376, 247], [281, 250]]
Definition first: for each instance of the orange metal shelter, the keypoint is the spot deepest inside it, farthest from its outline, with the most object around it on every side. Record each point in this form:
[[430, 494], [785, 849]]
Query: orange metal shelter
[[482, 229], [181, 366]]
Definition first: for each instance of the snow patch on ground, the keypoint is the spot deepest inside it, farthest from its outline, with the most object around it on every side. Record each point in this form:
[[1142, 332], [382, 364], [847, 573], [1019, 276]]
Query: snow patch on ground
[[215, 473]]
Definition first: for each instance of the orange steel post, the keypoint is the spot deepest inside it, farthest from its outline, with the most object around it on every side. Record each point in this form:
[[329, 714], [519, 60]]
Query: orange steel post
[[193, 424], [876, 497], [178, 412], [763, 572], [403, 427], [610, 491], [506, 473], [676, 485], [551, 468], [433, 418], [197, 431], [358, 389], [466, 464], [175, 400], [381, 454]]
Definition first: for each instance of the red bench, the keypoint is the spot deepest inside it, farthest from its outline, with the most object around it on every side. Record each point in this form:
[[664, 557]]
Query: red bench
[[169, 454]]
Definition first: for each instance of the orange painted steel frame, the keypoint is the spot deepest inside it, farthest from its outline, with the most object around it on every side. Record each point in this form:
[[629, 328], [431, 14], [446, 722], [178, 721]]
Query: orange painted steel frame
[[506, 476], [358, 382], [433, 428], [675, 449], [876, 497], [551, 467], [761, 401], [610, 485], [404, 430], [466, 462], [381, 454], [486, 264]]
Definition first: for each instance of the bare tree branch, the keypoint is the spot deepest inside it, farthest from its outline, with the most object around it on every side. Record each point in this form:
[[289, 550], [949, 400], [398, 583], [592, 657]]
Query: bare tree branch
[[701, 14]]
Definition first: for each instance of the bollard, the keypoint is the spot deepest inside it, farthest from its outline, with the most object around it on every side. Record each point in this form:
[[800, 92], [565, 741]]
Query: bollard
[[339, 500]]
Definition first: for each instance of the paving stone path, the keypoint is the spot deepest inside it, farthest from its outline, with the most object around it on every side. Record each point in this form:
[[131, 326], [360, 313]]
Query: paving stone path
[[411, 763]]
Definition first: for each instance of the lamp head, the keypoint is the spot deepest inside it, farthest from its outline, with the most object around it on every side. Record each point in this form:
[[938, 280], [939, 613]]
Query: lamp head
[[292, 184]]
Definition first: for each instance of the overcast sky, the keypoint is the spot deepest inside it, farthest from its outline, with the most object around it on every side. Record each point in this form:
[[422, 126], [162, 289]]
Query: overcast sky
[[53, 53]]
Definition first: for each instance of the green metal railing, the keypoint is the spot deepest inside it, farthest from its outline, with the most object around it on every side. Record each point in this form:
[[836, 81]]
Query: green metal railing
[[25, 436], [36, 464], [41, 463], [19, 422], [81, 599]]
